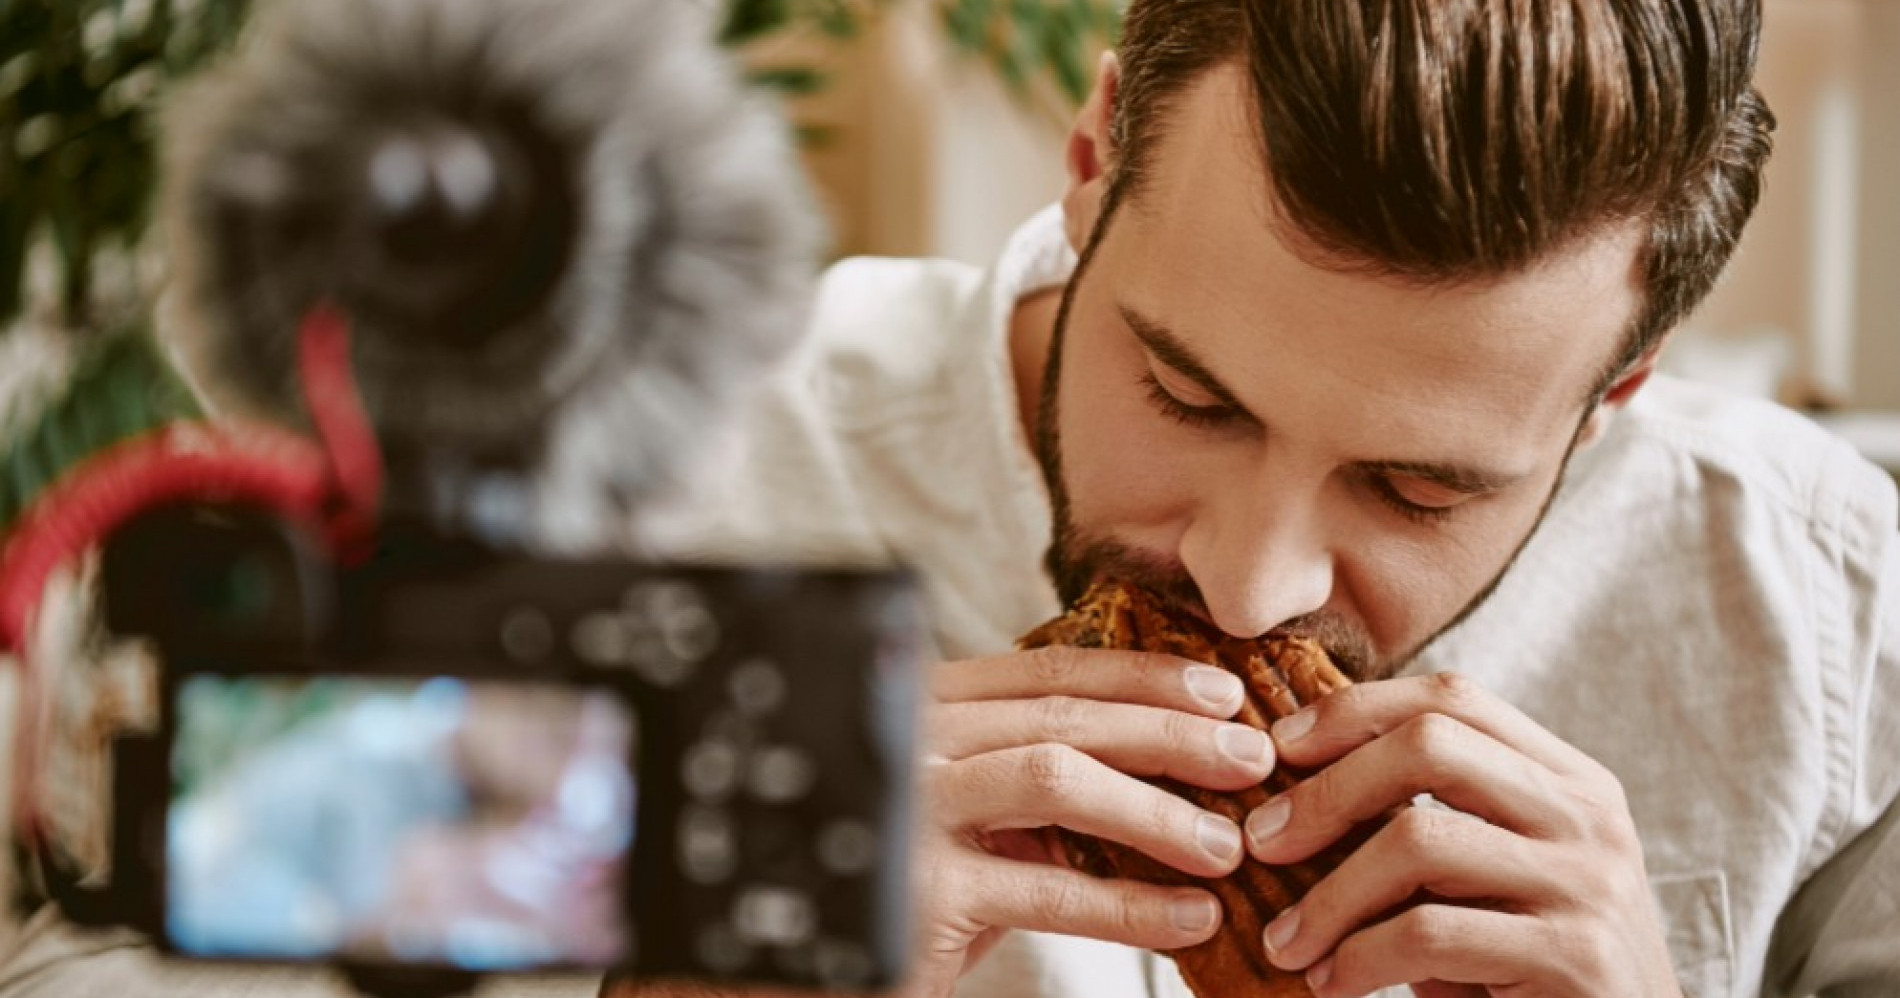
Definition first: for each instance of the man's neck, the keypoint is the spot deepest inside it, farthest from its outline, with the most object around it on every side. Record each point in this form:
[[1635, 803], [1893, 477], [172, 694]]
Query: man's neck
[[1031, 328]]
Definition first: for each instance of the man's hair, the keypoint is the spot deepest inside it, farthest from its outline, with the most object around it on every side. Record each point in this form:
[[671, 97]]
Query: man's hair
[[1452, 140]]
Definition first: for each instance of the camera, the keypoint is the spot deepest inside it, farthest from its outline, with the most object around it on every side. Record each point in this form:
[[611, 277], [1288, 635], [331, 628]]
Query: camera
[[560, 240], [449, 760]]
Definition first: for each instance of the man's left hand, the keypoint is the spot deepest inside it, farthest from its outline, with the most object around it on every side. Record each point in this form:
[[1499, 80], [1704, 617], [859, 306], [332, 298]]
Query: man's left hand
[[1533, 886]]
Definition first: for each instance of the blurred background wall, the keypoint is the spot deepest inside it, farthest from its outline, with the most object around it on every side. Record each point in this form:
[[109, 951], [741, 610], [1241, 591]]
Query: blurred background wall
[[1821, 262], [930, 154]]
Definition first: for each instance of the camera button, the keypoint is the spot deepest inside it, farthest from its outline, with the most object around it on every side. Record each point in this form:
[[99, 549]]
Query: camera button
[[757, 687], [776, 916], [707, 847], [781, 774], [526, 634], [847, 847], [710, 769], [600, 639]]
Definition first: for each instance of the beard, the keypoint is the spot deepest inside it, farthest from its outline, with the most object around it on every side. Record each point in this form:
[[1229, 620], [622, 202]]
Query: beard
[[1078, 558]]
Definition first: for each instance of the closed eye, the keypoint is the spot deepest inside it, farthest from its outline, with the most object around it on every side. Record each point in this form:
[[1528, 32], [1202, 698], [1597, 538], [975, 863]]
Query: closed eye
[[1417, 499], [1200, 416]]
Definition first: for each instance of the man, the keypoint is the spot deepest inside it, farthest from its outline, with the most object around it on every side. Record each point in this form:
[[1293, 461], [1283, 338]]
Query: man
[[1343, 302]]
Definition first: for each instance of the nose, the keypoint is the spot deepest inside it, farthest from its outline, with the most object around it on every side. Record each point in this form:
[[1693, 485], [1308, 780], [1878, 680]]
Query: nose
[[1261, 556]]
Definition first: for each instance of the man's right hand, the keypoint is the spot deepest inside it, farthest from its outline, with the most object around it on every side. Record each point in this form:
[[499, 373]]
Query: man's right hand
[[1021, 744]]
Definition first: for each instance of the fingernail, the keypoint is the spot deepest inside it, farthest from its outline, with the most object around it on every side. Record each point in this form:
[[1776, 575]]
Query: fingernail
[[1319, 974], [1294, 728], [1218, 836], [1243, 744], [1214, 687], [1282, 931], [1266, 820], [1194, 913]]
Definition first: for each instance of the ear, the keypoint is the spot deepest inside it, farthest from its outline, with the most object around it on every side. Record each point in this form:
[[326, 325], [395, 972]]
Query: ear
[[1619, 395], [1090, 155]]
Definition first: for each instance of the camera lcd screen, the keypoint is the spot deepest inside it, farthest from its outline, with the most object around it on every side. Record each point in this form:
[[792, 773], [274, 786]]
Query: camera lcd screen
[[441, 821]]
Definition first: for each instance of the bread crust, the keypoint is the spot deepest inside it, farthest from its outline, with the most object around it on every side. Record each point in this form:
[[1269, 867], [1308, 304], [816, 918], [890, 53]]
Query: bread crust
[[1281, 675]]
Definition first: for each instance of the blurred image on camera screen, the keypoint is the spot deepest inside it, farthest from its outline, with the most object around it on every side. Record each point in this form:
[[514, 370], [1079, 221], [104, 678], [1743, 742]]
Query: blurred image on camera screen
[[470, 824]]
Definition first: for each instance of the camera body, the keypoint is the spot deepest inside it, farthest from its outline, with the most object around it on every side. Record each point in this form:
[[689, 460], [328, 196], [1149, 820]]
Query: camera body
[[452, 760], [567, 242]]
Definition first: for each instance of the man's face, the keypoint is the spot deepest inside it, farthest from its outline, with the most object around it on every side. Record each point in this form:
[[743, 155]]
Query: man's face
[[1281, 445]]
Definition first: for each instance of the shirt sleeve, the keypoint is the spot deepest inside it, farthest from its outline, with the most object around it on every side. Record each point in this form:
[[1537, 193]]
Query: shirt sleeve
[[1840, 937]]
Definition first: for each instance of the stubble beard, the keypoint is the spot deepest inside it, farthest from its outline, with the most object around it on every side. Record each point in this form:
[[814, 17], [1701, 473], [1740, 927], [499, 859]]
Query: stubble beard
[[1077, 559]]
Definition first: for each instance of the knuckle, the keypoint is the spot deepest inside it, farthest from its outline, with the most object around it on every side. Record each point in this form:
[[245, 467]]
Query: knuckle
[[1429, 931], [1060, 719], [1135, 916], [1316, 798], [1051, 769], [1597, 816], [1455, 689], [942, 721], [1354, 960], [1184, 734], [1432, 733], [1422, 832], [1590, 956], [1611, 797], [1055, 900], [1603, 814], [1435, 741], [1165, 819], [1055, 667]]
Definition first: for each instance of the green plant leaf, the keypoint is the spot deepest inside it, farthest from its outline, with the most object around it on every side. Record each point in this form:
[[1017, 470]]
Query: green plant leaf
[[794, 81], [1064, 49], [750, 20], [90, 185], [838, 20], [815, 136]]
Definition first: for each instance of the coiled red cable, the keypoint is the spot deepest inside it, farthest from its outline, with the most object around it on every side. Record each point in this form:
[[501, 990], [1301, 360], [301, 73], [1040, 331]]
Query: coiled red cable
[[333, 484]]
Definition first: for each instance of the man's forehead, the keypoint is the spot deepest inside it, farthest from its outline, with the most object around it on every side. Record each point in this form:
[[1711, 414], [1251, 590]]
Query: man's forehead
[[1205, 251]]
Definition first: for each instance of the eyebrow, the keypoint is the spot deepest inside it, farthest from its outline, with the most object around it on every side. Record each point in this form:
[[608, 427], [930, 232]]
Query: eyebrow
[[1456, 477], [1168, 349]]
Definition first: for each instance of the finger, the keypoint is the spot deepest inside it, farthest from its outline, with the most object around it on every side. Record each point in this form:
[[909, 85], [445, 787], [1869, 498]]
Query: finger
[[1430, 753], [1441, 853], [1145, 741], [1349, 718], [1432, 942], [1056, 899], [1098, 674], [1057, 785]]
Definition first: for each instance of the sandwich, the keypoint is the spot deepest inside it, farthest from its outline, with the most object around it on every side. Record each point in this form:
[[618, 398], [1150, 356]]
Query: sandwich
[[1281, 674]]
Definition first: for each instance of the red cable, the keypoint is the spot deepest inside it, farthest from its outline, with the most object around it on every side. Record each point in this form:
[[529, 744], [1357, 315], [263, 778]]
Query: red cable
[[334, 484], [343, 426], [185, 461]]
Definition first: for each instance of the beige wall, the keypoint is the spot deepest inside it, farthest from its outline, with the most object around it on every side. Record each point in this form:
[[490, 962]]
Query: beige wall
[[932, 157], [938, 160], [1877, 357], [1820, 261]]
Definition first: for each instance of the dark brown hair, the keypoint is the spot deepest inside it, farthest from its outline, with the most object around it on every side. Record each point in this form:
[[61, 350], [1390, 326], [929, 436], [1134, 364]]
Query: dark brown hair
[[1449, 140]]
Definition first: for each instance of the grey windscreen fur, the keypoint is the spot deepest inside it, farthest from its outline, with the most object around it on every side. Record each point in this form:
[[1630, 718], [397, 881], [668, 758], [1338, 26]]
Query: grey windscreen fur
[[566, 236]]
